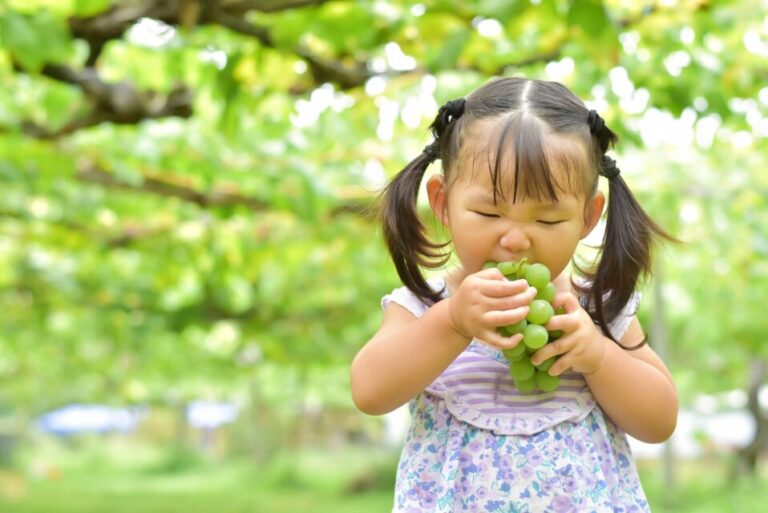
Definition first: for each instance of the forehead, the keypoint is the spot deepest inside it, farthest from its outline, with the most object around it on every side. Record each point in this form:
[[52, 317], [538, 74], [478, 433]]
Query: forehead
[[520, 157], [481, 193]]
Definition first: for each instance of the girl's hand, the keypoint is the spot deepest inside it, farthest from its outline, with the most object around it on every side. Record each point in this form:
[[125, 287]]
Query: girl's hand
[[582, 346], [486, 300]]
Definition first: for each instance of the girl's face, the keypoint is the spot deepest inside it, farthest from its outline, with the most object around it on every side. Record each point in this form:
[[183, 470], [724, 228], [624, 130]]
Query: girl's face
[[482, 231]]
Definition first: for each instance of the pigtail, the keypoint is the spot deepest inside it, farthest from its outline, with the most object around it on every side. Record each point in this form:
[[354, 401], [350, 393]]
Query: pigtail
[[626, 253], [625, 256], [405, 234]]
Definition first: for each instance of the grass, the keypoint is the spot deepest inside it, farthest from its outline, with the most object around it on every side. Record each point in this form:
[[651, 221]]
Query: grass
[[704, 486], [125, 478], [130, 479]]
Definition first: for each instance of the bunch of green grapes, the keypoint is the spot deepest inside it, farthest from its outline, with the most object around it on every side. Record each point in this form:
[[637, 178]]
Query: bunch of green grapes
[[527, 376]]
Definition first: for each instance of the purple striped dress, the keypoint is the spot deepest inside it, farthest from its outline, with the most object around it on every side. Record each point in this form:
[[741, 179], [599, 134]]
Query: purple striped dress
[[476, 444]]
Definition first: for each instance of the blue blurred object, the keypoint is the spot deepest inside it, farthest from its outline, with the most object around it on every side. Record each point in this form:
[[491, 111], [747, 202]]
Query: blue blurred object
[[91, 418]]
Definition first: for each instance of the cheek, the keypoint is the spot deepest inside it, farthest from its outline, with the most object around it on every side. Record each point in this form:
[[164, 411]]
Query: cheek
[[558, 249]]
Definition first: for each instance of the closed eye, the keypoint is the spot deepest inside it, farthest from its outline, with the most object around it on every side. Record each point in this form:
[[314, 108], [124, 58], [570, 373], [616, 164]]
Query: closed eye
[[549, 223], [485, 214]]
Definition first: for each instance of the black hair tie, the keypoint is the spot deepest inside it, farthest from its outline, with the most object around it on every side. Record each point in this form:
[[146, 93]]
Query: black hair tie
[[608, 168], [595, 122], [432, 151], [454, 108], [448, 113], [451, 111]]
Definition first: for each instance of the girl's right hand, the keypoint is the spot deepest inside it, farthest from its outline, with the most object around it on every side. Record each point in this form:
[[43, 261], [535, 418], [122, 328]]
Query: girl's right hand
[[486, 300]]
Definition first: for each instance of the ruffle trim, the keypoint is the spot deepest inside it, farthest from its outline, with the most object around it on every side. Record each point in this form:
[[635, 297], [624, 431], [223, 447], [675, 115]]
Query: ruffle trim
[[520, 422]]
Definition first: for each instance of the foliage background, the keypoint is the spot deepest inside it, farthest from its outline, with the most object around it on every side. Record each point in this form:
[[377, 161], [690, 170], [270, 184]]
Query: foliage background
[[187, 187]]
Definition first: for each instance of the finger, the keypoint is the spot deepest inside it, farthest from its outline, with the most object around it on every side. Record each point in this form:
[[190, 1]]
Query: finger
[[506, 317], [561, 365], [555, 348], [566, 300], [514, 301], [504, 288], [562, 322], [496, 339]]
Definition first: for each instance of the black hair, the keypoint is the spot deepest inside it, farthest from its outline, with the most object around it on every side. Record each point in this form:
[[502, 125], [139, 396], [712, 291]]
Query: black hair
[[523, 112]]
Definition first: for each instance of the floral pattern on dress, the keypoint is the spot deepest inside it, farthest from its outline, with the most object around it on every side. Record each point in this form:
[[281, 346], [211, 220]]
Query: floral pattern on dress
[[450, 466]]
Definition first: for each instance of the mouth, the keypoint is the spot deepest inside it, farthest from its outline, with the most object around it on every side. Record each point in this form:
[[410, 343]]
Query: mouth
[[515, 258]]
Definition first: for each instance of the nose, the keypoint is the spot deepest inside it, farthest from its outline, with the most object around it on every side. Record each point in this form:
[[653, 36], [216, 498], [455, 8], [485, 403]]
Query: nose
[[515, 240]]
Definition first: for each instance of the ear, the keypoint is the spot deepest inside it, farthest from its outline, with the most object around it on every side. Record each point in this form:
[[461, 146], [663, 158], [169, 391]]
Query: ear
[[592, 212], [436, 191]]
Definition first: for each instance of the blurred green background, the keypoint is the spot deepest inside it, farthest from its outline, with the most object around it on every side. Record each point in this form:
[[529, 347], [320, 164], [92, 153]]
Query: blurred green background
[[188, 260]]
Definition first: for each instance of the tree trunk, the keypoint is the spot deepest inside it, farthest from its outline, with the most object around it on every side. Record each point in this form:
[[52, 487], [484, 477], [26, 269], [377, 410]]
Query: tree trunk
[[660, 344], [658, 339], [747, 457]]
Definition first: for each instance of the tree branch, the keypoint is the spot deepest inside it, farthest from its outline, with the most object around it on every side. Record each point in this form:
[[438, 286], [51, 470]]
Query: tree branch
[[243, 6], [216, 198], [223, 196], [112, 24], [106, 237], [99, 29], [324, 70], [119, 103]]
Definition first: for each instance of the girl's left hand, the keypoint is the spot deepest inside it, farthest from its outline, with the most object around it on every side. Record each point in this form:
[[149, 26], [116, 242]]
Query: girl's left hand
[[582, 346]]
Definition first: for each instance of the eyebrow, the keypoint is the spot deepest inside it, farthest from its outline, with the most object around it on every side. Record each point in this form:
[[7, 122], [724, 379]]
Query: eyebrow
[[538, 205], [481, 196]]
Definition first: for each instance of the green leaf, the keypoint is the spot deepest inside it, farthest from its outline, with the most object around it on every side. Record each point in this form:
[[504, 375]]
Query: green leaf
[[35, 40], [502, 10], [594, 31], [86, 8], [590, 15], [447, 55]]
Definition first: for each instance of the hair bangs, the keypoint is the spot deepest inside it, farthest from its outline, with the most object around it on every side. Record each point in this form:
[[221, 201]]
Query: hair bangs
[[524, 159]]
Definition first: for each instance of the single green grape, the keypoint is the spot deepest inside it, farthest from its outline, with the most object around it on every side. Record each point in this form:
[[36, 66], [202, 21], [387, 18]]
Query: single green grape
[[539, 312], [546, 382], [521, 369], [526, 385], [513, 329], [555, 334], [546, 364], [522, 356], [515, 353], [535, 336], [547, 293], [508, 269], [489, 264], [537, 275]]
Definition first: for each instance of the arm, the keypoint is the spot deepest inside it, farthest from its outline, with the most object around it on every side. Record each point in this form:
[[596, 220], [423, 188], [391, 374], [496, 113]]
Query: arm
[[403, 358], [634, 388], [408, 353]]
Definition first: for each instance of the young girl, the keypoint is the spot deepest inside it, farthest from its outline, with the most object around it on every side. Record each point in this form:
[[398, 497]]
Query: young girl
[[520, 161]]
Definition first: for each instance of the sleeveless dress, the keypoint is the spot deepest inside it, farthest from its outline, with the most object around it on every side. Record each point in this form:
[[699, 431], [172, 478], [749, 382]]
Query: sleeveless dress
[[476, 444]]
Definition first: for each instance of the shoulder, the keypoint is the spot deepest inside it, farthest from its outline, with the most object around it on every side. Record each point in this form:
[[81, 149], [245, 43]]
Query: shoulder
[[404, 297]]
